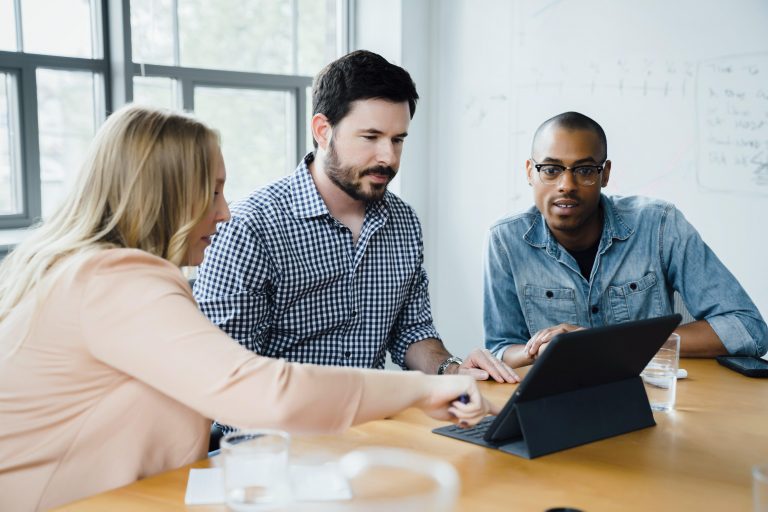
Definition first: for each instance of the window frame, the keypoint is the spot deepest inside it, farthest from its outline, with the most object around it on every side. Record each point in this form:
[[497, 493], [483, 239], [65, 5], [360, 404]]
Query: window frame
[[187, 79], [17, 149], [24, 66], [117, 71]]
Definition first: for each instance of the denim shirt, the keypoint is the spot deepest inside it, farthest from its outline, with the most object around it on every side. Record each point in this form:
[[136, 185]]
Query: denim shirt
[[647, 251]]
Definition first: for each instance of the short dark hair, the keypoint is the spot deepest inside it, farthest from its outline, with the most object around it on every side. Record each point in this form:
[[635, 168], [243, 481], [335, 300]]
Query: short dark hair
[[575, 121], [360, 75]]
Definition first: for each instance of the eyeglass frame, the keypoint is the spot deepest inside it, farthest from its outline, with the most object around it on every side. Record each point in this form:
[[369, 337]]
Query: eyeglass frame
[[600, 168]]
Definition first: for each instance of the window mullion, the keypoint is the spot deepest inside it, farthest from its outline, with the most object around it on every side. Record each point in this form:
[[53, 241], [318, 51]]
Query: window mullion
[[17, 19], [187, 94], [97, 36], [345, 26], [301, 121], [119, 57], [295, 36], [30, 134], [176, 34]]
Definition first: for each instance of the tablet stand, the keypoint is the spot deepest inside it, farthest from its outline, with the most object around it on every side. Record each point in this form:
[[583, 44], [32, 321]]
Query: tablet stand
[[573, 418]]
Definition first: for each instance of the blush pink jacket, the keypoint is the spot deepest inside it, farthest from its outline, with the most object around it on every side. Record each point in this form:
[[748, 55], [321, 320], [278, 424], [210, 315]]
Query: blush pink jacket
[[109, 373]]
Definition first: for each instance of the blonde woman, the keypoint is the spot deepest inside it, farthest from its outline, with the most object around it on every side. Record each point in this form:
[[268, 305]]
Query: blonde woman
[[108, 372]]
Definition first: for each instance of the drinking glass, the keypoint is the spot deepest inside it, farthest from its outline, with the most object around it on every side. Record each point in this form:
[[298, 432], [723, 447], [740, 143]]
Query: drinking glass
[[660, 376], [255, 464]]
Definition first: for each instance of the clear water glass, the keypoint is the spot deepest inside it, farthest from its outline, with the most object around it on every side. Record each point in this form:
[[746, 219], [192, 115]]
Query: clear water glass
[[660, 376]]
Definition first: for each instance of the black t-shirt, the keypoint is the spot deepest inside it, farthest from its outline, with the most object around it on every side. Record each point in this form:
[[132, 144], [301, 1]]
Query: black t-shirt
[[586, 259]]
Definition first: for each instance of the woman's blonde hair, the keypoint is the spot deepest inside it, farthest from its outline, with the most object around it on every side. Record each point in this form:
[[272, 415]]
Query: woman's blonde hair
[[146, 183]]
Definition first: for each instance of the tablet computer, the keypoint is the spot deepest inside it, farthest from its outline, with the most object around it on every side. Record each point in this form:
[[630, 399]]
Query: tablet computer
[[586, 359]]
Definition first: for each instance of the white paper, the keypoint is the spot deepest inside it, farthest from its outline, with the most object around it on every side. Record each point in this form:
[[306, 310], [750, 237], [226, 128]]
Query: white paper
[[310, 482], [205, 487]]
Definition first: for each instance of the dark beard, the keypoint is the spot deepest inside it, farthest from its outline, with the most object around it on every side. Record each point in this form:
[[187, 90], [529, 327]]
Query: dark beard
[[343, 177]]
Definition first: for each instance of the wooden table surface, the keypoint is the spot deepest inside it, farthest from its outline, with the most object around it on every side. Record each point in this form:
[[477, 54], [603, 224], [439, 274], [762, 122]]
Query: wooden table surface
[[698, 457]]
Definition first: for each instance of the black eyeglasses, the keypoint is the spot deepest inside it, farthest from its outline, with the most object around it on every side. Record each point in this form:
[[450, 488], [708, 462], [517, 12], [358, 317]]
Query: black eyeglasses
[[550, 174]]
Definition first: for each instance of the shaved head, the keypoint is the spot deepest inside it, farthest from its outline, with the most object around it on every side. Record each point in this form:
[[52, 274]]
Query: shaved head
[[571, 121]]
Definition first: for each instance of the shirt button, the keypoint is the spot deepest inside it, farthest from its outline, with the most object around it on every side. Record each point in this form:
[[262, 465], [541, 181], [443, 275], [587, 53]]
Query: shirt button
[[550, 294], [595, 309], [353, 314], [347, 354], [633, 286]]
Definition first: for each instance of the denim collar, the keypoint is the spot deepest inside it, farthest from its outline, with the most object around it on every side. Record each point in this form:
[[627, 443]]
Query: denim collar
[[614, 226]]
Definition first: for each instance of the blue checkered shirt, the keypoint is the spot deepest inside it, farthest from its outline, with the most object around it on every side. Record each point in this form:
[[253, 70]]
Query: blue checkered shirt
[[284, 278]]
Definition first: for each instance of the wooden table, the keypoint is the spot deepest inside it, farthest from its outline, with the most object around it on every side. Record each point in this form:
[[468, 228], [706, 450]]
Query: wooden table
[[698, 457]]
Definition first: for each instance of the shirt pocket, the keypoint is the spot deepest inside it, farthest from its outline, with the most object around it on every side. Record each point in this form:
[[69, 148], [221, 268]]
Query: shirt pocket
[[636, 299], [545, 307]]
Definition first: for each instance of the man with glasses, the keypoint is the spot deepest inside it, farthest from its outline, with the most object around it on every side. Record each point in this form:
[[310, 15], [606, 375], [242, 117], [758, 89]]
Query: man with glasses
[[581, 259]]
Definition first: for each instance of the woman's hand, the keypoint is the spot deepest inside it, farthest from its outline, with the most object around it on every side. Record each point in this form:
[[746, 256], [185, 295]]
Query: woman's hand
[[441, 400]]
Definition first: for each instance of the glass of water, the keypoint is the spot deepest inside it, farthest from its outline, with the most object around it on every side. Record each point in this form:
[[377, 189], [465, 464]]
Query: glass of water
[[255, 464], [760, 487], [660, 376]]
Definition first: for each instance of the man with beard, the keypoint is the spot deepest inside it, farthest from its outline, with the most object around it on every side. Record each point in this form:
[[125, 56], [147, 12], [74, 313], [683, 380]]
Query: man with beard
[[582, 259], [325, 266]]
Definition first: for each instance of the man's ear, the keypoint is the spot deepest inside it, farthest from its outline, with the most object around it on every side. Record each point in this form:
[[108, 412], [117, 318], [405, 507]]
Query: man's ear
[[321, 130], [529, 171], [606, 174]]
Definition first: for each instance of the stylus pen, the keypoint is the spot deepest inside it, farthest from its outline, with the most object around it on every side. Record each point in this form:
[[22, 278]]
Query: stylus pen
[[463, 398]]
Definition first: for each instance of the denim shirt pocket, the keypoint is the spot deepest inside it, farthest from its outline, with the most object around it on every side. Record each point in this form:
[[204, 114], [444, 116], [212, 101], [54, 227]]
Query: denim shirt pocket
[[545, 307], [636, 299]]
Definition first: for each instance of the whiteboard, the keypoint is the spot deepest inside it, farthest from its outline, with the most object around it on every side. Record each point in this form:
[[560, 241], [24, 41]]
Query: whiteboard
[[680, 87]]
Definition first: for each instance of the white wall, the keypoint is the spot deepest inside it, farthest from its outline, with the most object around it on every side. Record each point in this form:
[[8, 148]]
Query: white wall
[[471, 172]]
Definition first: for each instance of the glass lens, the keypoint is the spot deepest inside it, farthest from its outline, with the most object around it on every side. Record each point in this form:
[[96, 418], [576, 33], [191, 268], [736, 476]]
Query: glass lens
[[550, 173], [585, 174], [152, 31], [7, 26], [237, 35], [66, 117], [316, 35], [62, 27], [255, 127], [155, 91], [10, 162]]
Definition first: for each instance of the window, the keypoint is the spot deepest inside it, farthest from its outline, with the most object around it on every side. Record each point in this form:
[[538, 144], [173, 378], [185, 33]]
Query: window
[[52, 98], [68, 114], [243, 66], [10, 166], [156, 91], [7, 26], [44, 32], [255, 127]]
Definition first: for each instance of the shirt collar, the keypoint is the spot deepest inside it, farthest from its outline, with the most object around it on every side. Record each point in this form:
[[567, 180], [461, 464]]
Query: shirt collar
[[306, 202], [614, 226]]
